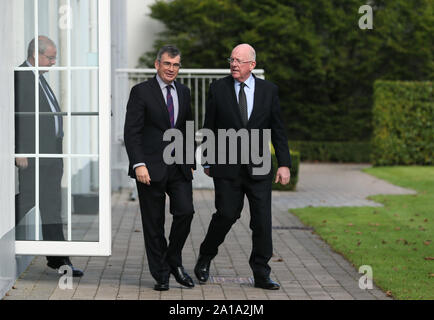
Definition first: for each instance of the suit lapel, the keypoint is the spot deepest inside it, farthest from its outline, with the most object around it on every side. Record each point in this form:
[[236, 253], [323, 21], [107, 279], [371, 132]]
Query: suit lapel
[[256, 97], [181, 108], [158, 94], [230, 83]]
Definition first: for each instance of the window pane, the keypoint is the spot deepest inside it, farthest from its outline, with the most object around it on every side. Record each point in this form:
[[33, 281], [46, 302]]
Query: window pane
[[25, 199], [52, 208], [53, 104], [84, 135], [85, 120], [25, 112], [53, 198], [84, 91], [84, 33], [85, 199], [53, 24], [24, 29]]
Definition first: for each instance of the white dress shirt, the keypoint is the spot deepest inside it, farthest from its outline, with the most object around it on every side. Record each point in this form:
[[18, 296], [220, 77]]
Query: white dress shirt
[[249, 89]]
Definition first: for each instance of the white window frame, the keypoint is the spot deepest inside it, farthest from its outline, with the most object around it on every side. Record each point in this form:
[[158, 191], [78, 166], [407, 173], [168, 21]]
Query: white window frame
[[102, 247]]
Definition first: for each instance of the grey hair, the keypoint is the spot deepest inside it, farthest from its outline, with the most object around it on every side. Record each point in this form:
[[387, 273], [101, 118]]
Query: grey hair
[[252, 51], [171, 50], [43, 43]]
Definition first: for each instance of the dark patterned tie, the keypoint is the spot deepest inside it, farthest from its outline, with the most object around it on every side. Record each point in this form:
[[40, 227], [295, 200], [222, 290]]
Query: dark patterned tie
[[242, 102], [170, 107], [52, 98]]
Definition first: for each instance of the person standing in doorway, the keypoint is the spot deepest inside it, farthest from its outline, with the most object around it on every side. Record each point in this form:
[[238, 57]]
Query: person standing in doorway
[[50, 142]]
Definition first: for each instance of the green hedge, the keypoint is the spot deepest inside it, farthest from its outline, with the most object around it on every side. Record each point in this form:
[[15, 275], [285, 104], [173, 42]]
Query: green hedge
[[403, 117], [295, 158], [333, 151]]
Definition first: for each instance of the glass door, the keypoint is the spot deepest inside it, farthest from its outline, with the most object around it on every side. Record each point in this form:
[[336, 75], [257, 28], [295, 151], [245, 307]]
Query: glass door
[[62, 127]]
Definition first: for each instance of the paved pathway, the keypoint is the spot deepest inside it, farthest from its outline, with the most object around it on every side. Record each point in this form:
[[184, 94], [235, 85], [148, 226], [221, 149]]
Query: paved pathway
[[303, 264]]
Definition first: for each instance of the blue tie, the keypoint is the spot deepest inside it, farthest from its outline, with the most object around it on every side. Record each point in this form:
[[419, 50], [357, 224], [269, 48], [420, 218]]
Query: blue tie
[[170, 107]]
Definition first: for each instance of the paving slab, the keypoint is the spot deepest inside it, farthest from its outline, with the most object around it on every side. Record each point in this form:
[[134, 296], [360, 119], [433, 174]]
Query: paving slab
[[302, 263]]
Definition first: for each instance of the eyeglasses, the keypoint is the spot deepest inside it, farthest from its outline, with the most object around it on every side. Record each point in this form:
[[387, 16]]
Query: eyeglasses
[[237, 61], [167, 65], [49, 58]]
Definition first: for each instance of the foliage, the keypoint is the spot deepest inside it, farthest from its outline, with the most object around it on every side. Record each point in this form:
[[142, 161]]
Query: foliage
[[324, 64], [403, 123], [329, 151]]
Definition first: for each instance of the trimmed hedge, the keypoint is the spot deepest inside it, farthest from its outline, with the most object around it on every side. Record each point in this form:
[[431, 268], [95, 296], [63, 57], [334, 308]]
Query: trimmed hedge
[[295, 158], [333, 151], [403, 117]]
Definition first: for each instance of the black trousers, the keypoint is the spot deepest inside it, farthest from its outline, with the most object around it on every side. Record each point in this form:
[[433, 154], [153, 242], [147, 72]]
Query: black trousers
[[50, 201], [229, 202], [162, 255]]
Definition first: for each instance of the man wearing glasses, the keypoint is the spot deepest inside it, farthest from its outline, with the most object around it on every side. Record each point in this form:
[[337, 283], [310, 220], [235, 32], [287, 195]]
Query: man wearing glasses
[[155, 106], [242, 101], [50, 142]]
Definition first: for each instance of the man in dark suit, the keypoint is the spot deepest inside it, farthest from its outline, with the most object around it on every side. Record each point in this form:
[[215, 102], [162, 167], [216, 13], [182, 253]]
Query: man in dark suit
[[50, 142], [155, 106], [242, 101]]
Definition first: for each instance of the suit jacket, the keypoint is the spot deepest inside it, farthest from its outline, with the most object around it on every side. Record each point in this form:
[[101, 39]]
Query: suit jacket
[[25, 124], [223, 112], [146, 121]]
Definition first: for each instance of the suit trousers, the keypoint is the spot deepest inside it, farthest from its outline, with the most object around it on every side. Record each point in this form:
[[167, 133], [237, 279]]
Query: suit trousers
[[161, 256], [229, 202], [50, 202]]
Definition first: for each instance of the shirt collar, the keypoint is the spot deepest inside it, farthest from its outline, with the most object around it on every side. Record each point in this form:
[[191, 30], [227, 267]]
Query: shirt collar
[[249, 82], [162, 84], [30, 65]]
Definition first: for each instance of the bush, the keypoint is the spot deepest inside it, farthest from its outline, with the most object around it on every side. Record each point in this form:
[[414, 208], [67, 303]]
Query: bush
[[295, 158], [403, 117], [324, 65], [333, 151]]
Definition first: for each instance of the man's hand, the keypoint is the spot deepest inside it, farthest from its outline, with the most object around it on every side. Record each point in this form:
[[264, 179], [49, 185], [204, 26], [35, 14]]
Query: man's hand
[[283, 175], [22, 163], [206, 170], [142, 175]]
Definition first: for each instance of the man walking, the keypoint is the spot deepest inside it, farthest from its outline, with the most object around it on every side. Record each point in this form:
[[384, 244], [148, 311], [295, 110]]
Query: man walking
[[155, 106], [241, 101]]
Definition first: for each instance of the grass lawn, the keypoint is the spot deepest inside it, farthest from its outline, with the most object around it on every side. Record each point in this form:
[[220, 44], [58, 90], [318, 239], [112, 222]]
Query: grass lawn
[[396, 240]]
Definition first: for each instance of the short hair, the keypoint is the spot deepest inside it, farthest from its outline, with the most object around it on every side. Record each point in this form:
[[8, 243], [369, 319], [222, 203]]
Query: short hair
[[252, 51], [43, 43], [253, 54], [171, 50]]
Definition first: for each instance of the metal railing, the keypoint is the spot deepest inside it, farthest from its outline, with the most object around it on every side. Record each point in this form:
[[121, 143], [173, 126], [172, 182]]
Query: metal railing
[[198, 80]]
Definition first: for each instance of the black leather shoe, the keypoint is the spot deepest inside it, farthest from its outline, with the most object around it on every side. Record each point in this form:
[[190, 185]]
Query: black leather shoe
[[162, 286], [201, 270], [75, 272], [182, 277], [266, 283]]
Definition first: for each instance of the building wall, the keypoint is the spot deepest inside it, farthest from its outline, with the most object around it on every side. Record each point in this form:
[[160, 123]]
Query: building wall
[[7, 168], [133, 33], [141, 29]]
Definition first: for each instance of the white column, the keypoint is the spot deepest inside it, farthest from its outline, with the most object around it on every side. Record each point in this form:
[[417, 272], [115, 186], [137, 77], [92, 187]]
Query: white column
[[7, 149]]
